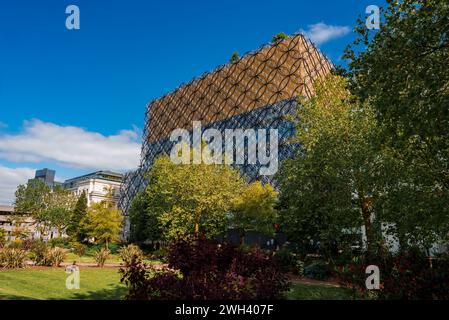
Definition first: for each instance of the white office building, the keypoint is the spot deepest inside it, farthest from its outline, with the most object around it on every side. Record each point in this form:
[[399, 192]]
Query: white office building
[[96, 185]]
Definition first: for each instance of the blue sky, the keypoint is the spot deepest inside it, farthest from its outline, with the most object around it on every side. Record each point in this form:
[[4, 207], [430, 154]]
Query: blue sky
[[74, 100]]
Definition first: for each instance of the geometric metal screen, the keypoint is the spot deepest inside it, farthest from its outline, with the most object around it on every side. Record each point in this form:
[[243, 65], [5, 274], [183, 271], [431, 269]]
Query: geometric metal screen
[[257, 92]]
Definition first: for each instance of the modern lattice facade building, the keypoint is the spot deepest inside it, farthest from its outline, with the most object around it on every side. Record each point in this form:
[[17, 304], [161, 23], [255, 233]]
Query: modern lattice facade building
[[256, 92]]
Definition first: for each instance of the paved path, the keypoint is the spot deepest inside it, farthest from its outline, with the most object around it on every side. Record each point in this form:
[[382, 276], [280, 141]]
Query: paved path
[[330, 283]]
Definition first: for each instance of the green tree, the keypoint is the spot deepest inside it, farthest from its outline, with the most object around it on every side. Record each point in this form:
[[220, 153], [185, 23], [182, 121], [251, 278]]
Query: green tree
[[31, 197], [192, 199], [402, 71], [254, 210], [331, 187], [79, 212], [144, 221], [279, 37], [59, 205], [235, 57], [103, 222], [50, 208]]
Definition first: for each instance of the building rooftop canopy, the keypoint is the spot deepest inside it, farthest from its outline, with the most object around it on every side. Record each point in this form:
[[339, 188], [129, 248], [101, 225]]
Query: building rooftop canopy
[[106, 175]]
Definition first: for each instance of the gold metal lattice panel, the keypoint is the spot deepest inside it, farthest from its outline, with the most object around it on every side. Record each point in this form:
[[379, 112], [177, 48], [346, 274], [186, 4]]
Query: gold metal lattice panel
[[273, 73]]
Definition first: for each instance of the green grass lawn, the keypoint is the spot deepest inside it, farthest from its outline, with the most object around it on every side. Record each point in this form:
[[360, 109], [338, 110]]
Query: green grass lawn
[[104, 284], [318, 292], [50, 283]]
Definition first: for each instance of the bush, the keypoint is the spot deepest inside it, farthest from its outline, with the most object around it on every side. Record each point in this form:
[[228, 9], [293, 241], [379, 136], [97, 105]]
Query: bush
[[79, 249], [130, 252], [289, 261], [317, 269], [38, 252], [12, 258], [404, 276], [203, 270], [43, 255], [55, 256], [101, 256]]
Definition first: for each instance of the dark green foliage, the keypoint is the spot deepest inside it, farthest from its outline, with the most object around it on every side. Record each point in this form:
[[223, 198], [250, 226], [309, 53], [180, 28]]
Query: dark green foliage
[[235, 57], [92, 249], [288, 261], [401, 70], [144, 221], [60, 242], [79, 212]]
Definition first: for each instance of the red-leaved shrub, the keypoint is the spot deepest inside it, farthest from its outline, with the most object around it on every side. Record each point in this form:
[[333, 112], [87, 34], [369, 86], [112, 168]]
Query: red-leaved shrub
[[409, 275], [205, 270]]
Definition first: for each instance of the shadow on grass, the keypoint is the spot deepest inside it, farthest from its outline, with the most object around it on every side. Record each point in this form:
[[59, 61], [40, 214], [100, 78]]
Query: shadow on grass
[[112, 292], [13, 297]]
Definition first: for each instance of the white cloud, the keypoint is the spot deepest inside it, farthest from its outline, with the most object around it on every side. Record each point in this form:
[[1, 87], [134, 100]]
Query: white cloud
[[71, 146], [320, 33], [9, 180]]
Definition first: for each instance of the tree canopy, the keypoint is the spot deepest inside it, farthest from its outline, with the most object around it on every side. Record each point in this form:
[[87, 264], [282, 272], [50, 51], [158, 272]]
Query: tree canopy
[[103, 222], [79, 212], [331, 185], [254, 209], [190, 198], [402, 71], [50, 208]]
